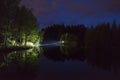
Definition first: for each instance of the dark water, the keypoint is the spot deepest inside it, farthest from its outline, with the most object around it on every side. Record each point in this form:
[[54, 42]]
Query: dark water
[[59, 63]]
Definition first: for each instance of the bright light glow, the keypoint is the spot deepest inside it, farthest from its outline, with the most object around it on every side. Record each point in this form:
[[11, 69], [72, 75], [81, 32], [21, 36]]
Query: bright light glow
[[55, 43], [37, 44], [62, 41], [30, 44]]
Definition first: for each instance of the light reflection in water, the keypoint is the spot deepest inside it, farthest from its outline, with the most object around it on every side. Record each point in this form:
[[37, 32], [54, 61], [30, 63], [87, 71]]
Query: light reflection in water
[[51, 63]]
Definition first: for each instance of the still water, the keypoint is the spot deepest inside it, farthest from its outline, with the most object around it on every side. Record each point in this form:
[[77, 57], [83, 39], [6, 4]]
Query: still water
[[58, 63]]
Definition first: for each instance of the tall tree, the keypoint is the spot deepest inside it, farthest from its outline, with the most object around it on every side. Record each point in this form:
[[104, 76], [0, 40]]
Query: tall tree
[[27, 25], [7, 12]]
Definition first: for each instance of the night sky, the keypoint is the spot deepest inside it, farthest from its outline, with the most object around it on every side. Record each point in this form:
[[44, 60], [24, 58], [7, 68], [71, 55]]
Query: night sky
[[88, 12]]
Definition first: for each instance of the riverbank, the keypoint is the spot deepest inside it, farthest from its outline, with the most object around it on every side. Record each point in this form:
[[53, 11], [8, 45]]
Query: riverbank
[[13, 48]]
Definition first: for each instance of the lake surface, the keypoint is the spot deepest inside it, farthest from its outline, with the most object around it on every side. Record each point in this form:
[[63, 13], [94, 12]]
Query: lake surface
[[59, 63]]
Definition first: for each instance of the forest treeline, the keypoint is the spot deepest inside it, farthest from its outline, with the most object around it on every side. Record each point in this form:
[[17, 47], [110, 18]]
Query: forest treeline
[[98, 45], [18, 25], [103, 35]]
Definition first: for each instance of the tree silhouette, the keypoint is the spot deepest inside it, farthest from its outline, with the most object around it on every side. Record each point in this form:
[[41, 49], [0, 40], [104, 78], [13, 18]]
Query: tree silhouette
[[17, 24], [7, 12], [26, 25]]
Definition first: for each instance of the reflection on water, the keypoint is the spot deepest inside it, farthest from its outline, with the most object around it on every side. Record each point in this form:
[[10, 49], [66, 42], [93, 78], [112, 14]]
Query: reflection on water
[[59, 63], [20, 64]]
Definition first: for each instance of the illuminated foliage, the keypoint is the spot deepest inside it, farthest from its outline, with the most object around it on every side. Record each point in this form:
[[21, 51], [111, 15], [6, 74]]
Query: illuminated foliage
[[69, 40], [8, 10], [17, 24], [70, 43], [26, 25]]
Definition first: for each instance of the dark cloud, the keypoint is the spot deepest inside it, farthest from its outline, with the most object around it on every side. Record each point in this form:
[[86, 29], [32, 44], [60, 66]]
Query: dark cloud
[[104, 6], [86, 7], [39, 6], [71, 11]]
